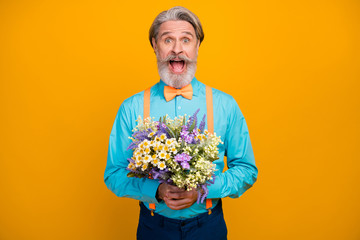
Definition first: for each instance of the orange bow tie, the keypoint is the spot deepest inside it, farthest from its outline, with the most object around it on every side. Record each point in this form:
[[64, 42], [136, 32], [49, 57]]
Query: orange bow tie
[[170, 92]]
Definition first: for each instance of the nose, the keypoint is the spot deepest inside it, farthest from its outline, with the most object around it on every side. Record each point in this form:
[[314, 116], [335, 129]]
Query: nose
[[177, 48]]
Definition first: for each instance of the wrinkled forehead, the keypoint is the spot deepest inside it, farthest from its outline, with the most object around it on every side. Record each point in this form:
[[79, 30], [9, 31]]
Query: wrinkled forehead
[[179, 27]]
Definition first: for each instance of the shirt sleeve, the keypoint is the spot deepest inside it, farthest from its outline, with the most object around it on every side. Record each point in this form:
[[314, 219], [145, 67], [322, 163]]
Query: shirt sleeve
[[115, 176], [242, 172]]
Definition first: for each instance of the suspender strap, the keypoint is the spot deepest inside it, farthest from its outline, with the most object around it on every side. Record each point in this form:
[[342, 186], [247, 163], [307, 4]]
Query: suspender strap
[[146, 115], [147, 103], [209, 109], [210, 119]]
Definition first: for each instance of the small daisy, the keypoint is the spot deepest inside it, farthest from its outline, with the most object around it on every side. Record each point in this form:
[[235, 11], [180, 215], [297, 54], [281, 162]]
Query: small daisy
[[144, 167], [161, 165], [173, 150], [147, 150], [163, 137], [146, 144], [162, 155], [138, 163], [131, 166], [146, 159], [155, 161]]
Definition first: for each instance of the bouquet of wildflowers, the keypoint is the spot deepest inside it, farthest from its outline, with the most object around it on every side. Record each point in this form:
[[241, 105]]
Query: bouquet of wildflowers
[[174, 151]]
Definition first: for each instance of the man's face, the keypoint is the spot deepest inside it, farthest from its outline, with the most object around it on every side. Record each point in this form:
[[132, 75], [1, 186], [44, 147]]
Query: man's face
[[176, 49]]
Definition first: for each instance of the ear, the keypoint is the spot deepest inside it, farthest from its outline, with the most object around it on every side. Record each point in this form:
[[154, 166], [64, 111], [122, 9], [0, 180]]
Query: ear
[[197, 46], [153, 43]]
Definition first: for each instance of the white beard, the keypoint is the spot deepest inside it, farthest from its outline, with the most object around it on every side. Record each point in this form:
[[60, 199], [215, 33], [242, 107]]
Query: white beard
[[176, 80]]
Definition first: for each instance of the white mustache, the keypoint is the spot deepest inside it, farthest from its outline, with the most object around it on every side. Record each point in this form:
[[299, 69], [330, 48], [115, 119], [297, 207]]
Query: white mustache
[[181, 57]]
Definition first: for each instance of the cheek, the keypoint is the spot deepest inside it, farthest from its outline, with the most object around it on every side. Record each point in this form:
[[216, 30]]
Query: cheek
[[163, 52], [191, 52]]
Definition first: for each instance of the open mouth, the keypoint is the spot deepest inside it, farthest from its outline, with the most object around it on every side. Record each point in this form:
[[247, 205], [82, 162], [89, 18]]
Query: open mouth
[[177, 66]]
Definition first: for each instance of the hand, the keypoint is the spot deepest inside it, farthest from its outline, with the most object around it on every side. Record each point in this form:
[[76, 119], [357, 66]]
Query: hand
[[176, 198]]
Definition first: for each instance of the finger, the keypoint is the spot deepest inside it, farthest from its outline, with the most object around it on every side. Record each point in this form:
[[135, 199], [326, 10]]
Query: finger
[[174, 195], [177, 204], [175, 189]]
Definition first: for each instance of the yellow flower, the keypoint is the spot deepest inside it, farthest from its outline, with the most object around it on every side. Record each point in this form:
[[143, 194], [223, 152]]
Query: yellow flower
[[145, 144], [155, 161], [147, 158], [162, 155], [173, 149], [163, 137], [169, 142], [131, 166], [144, 167], [161, 165], [147, 150], [167, 156]]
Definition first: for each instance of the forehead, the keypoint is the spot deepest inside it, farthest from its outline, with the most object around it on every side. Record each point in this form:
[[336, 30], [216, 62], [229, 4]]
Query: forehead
[[176, 27]]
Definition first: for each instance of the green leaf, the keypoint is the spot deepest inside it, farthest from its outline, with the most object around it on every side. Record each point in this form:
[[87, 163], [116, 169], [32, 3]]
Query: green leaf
[[170, 132]]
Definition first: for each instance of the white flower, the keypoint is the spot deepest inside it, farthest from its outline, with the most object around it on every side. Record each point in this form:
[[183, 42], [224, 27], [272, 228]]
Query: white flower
[[162, 155], [147, 159], [163, 137], [144, 167], [161, 165]]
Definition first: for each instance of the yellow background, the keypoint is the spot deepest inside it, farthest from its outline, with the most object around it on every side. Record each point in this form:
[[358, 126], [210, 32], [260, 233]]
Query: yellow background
[[293, 67]]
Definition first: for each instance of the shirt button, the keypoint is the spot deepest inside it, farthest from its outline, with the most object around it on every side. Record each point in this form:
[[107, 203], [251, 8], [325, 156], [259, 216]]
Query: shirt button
[[179, 107]]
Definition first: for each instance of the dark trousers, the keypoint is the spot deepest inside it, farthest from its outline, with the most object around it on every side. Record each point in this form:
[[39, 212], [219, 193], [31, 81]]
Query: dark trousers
[[204, 226]]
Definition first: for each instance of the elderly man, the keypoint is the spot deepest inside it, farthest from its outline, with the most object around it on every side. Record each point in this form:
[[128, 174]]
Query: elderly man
[[166, 211]]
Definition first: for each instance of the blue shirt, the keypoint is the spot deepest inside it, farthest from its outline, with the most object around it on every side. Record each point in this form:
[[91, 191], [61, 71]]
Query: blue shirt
[[229, 123]]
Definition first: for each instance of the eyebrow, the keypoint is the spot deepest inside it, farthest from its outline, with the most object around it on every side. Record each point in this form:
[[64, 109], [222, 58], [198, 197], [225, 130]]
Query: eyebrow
[[166, 33]]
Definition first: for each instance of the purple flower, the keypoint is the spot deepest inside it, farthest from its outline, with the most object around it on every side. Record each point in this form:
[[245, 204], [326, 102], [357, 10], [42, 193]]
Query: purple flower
[[185, 165], [162, 129], [193, 119], [183, 159], [202, 124]]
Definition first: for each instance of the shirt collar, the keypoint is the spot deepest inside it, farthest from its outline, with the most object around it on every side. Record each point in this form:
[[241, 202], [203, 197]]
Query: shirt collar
[[194, 83]]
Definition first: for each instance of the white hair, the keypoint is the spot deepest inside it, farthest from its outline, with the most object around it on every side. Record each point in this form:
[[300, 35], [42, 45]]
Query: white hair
[[176, 14]]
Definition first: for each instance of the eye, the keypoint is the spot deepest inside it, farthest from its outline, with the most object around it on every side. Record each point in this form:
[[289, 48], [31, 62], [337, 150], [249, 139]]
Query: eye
[[167, 40], [186, 40]]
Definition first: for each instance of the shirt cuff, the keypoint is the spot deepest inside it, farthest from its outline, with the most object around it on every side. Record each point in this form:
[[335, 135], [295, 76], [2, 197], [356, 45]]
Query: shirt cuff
[[149, 191], [215, 188]]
